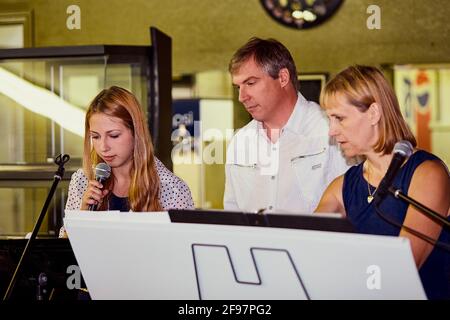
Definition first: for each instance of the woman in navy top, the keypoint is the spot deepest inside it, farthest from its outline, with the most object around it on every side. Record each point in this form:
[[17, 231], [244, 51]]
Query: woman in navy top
[[366, 121]]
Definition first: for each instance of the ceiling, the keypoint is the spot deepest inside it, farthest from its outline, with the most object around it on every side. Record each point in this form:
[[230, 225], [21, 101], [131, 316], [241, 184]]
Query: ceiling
[[205, 33]]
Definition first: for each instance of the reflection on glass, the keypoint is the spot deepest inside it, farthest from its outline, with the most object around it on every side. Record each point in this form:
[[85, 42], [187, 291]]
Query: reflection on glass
[[41, 101], [42, 109], [21, 206], [43, 104]]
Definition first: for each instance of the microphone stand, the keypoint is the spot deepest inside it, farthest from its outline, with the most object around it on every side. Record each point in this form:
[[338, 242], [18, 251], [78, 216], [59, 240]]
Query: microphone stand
[[60, 161], [431, 213]]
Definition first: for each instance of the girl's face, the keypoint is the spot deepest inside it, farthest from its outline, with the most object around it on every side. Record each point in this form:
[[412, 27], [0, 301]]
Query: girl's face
[[112, 140]]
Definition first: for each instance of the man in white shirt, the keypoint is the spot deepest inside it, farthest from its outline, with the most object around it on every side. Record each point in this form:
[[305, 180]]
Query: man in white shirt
[[282, 160]]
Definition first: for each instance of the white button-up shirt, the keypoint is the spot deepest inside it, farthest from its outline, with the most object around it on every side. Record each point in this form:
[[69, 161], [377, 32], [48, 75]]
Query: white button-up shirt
[[288, 176]]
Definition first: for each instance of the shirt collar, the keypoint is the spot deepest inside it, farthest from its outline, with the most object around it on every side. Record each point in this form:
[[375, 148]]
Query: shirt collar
[[294, 124]]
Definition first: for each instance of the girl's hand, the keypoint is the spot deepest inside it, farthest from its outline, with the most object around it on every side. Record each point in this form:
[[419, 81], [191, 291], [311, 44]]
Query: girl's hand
[[93, 195]]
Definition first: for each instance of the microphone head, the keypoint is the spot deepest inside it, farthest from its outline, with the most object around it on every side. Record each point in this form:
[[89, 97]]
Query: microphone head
[[404, 148], [102, 171]]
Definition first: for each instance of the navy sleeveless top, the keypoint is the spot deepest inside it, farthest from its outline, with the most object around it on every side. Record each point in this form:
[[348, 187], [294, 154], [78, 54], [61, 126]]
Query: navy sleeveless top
[[118, 203], [435, 272]]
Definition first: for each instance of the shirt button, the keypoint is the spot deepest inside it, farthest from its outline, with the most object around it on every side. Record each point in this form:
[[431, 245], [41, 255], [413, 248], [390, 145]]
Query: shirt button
[[273, 177], [270, 207]]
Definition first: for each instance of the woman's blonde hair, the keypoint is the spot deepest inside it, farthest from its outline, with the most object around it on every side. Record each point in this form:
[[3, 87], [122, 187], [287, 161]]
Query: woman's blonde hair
[[362, 86], [143, 194]]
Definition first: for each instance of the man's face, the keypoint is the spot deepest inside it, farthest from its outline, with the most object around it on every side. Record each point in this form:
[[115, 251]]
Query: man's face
[[258, 92]]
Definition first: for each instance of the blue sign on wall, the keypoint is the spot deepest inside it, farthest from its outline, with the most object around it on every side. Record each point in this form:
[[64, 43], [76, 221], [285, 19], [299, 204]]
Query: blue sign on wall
[[186, 113]]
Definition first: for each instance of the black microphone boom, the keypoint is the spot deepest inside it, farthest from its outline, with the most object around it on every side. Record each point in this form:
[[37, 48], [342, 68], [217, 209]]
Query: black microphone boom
[[402, 150], [102, 173]]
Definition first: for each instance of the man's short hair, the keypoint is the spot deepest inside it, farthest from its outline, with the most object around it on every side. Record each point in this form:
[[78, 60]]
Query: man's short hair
[[270, 54]]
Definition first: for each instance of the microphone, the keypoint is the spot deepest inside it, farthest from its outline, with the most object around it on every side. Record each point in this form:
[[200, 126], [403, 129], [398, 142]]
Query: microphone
[[402, 150], [102, 173]]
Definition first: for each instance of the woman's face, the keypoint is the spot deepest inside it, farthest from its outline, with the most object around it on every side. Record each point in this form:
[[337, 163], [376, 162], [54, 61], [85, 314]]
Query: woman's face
[[112, 140], [355, 131]]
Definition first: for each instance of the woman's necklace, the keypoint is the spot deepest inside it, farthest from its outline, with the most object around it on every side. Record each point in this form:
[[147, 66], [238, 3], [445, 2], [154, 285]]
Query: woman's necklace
[[371, 194]]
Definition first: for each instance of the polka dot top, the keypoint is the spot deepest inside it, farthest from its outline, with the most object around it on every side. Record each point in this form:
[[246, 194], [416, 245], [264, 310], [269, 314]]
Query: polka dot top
[[174, 193]]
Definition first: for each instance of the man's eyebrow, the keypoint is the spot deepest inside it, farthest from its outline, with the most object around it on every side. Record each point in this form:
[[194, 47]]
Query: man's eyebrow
[[250, 78], [246, 80]]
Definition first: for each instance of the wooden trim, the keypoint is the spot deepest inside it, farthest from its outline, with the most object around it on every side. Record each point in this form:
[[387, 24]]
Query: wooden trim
[[114, 52], [24, 18]]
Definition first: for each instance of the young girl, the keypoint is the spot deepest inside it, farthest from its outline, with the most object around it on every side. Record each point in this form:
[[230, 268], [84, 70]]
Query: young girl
[[116, 133]]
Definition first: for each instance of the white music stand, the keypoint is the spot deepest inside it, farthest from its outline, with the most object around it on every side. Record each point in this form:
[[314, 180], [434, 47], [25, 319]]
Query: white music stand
[[145, 256]]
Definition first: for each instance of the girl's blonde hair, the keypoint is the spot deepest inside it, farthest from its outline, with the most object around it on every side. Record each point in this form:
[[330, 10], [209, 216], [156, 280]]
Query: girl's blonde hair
[[143, 194]]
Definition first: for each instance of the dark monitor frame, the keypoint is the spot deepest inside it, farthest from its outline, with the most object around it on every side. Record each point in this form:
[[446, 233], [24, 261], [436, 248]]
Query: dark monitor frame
[[273, 220]]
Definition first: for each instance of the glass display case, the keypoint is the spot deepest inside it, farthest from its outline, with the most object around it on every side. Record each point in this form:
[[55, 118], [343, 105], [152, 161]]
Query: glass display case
[[44, 93]]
